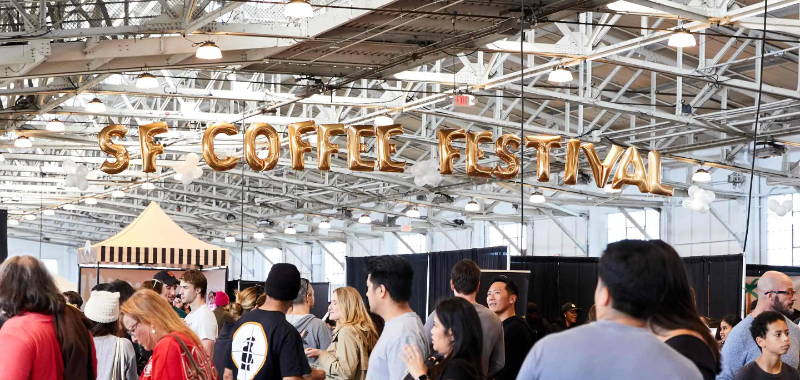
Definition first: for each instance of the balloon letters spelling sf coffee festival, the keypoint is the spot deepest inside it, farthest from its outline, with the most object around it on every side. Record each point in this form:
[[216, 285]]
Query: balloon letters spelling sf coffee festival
[[630, 167]]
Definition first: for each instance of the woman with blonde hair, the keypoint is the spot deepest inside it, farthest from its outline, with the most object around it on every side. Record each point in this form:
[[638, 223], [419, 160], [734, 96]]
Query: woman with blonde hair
[[353, 339], [177, 352]]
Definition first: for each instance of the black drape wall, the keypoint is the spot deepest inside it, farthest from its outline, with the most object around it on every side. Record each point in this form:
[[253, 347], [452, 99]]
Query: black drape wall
[[716, 280], [431, 273], [3, 235]]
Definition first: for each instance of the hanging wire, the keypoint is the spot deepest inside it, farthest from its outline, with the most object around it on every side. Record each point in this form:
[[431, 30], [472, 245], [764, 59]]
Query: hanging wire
[[241, 218], [522, 59], [755, 127]]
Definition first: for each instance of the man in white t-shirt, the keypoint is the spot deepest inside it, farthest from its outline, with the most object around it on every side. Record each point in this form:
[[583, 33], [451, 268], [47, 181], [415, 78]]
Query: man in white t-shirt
[[201, 319]]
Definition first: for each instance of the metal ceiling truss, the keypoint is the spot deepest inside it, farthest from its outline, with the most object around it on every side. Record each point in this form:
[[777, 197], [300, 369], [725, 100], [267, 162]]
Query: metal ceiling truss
[[359, 59]]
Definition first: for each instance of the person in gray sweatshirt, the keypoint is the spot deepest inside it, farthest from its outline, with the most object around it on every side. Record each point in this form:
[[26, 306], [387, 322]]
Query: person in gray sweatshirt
[[314, 331]]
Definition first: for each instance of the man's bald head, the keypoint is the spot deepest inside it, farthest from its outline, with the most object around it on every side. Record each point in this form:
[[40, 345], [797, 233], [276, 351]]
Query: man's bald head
[[775, 293]]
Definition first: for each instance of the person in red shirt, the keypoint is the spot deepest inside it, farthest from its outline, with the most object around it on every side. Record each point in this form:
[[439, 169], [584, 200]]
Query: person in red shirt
[[177, 353], [43, 338]]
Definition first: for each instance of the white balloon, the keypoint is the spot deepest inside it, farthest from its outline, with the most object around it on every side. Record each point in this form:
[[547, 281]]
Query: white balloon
[[787, 204], [68, 164], [773, 205]]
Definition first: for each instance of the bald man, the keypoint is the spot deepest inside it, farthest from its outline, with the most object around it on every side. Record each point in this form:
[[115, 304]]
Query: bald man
[[775, 293]]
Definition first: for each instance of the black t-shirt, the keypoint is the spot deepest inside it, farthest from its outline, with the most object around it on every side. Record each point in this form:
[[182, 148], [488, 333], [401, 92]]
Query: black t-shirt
[[267, 347], [698, 352], [518, 341], [751, 371], [459, 369]]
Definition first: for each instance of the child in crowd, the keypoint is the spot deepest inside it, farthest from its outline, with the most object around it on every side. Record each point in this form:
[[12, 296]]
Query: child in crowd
[[771, 333]]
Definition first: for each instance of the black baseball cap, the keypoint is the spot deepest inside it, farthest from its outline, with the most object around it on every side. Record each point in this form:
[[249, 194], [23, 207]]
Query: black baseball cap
[[569, 306], [167, 278]]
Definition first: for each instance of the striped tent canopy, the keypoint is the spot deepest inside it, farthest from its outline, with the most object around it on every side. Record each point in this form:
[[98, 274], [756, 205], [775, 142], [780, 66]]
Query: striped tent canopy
[[154, 239]]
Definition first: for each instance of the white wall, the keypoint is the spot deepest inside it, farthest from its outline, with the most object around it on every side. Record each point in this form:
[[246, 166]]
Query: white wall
[[65, 257]]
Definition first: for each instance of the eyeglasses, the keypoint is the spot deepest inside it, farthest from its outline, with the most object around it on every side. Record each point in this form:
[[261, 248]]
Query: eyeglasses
[[787, 292], [132, 329]]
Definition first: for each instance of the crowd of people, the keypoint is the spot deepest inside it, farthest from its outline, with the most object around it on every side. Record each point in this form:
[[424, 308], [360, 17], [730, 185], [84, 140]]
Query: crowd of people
[[643, 323]]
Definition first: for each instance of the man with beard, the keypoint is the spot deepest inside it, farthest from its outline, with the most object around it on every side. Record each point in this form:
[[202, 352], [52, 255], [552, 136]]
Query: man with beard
[[775, 293], [166, 285]]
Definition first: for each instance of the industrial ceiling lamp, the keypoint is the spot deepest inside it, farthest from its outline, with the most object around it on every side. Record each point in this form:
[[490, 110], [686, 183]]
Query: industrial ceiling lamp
[[23, 142], [537, 198], [55, 125], [208, 50], [258, 236], [90, 201], [117, 194], [95, 106], [681, 39], [701, 176], [383, 120], [472, 206], [413, 213], [146, 81], [29, 217], [364, 219], [48, 212], [290, 230], [230, 239], [68, 206], [324, 225], [148, 186], [13, 222], [560, 75], [298, 9]]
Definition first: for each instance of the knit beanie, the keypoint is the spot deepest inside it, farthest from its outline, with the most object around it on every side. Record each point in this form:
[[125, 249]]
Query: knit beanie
[[283, 282], [102, 307], [221, 299]]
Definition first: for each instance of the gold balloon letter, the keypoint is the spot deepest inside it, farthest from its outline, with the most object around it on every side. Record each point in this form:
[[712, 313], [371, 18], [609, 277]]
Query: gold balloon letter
[[250, 154], [501, 149], [384, 148], [211, 158], [571, 162], [543, 145], [297, 147], [118, 151], [355, 148], [448, 154], [474, 153], [324, 146], [149, 148], [601, 170], [654, 185], [625, 177]]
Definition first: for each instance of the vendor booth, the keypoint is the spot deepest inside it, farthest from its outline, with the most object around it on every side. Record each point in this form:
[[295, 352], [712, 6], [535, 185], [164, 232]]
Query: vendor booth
[[152, 242]]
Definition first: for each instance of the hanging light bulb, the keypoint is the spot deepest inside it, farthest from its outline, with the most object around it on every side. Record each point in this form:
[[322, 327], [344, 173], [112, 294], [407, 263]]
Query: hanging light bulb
[[68, 206], [230, 239], [701, 176], [560, 75], [383, 120], [23, 142], [413, 213], [537, 198], [290, 230], [298, 9], [258, 236], [208, 50], [90, 201], [472, 206], [148, 186], [681, 39], [146, 80], [117, 194], [610, 190], [324, 225], [95, 106], [55, 125], [364, 219], [48, 212], [29, 217], [13, 222]]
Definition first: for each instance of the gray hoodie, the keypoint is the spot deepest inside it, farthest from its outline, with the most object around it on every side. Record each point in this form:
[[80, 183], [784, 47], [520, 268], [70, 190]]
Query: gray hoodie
[[314, 331]]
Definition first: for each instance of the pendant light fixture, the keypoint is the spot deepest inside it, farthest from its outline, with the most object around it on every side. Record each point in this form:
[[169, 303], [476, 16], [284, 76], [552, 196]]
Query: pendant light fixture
[[55, 125], [472, 206], [537, 198], [324, 225], [298, 9], [95, 106], [117, 194], [681, 39], [208, 50], [701, 176], [146, 81], [230, 239], [90, 201], [148, 186], [48, 212], [413, 213], [258, 236], [365, 219], [23, 142], [560, 75], [290, 230]]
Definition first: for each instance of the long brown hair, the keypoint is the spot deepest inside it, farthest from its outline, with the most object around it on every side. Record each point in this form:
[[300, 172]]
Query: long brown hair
[[147, 306], [355, 314], [26, 285]]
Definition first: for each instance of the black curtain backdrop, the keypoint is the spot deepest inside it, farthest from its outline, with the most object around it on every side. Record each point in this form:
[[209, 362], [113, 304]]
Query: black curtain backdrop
[[442, 262], [555, 281], [717, 281], [3, 235], [356, 273]]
